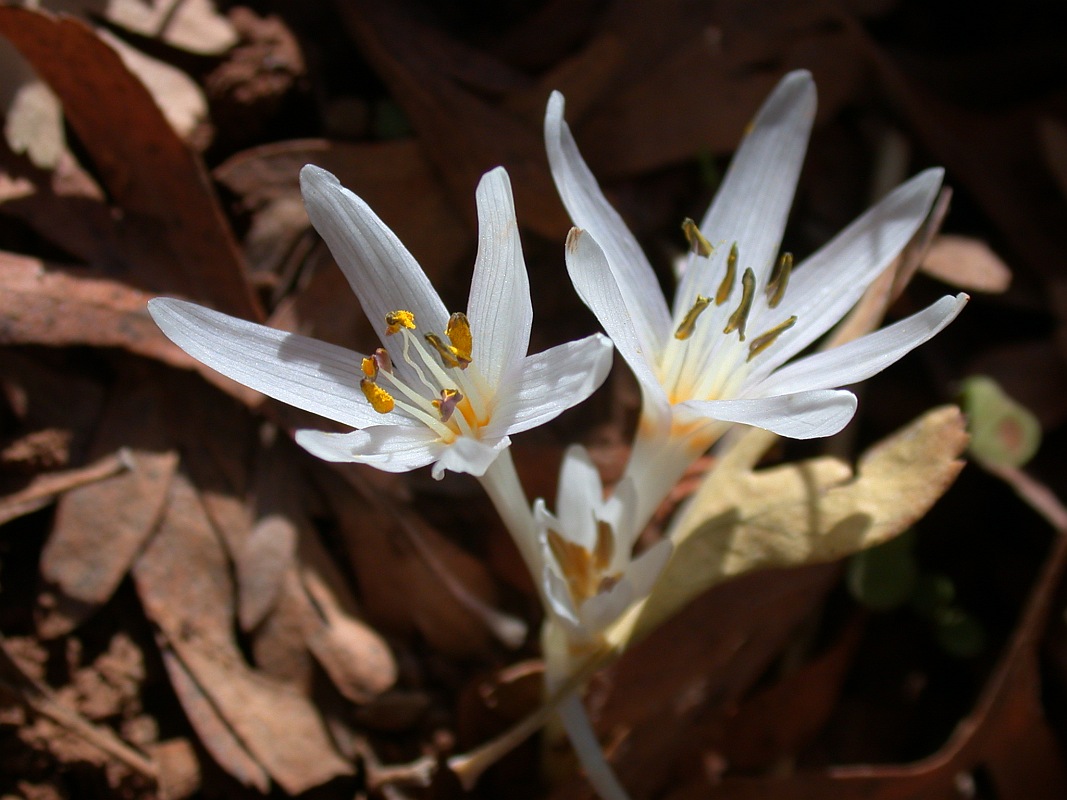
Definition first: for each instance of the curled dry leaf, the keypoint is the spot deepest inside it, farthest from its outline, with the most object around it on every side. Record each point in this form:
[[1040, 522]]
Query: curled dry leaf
[[967, 263], [803, 513], [46, 487]]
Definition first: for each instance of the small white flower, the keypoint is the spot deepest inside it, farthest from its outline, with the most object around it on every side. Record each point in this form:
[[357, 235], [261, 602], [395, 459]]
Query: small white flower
[[444, 389], [740, 311], [589, 576]]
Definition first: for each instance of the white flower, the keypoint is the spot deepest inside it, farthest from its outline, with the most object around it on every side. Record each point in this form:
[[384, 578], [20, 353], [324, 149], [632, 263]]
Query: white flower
[[740, 311], [589, 577], [444, 389]]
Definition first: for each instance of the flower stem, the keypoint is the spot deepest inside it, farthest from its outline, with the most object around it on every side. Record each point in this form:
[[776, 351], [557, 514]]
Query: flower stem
[[501, 483], [583, 739]]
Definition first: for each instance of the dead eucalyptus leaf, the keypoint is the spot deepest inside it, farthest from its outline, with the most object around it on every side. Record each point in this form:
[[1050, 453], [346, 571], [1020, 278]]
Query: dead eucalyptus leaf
[[803, 513]]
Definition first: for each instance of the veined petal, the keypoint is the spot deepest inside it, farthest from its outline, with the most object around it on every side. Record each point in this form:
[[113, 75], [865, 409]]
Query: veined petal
[[380, 270], [596, 284], [752, 204], [549, 383], [804, 415], [828, 284], [638, 287], [580, 495], [499, 309], [471, 456], [392, 448], [861, 358], [315, 376]]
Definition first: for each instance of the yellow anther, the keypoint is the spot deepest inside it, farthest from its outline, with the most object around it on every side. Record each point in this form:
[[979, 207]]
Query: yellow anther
[[739, 318], [458, 332], [765, 340], [380, 400], [396, 320], [450, 356], [697, 243], [369, 367], [685, 329], [727, 284], [779, 280], [447, 404]]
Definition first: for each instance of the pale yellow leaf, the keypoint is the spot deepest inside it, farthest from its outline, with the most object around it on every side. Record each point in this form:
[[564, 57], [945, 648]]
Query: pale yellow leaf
[[803, 513]]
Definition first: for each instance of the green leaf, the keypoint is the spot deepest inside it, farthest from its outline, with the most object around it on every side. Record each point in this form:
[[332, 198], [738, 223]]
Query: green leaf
[[1003, 432]]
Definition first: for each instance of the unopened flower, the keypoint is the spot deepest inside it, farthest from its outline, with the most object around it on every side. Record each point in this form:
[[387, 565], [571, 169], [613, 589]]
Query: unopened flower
[[741, 310], [589, 576], [444, 389]]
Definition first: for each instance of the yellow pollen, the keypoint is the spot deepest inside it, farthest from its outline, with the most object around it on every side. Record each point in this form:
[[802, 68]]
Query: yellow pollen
[[458, 332], [740, 317], [685, 329], [727, 284], [697, 243], [765, 340], [779, 280], [450, 356], [369, 367], [380, 400], [447, 404], [396, 320]]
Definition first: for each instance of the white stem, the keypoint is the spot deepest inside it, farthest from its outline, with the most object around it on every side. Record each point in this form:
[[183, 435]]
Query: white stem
[[501, 483], [583, 739]]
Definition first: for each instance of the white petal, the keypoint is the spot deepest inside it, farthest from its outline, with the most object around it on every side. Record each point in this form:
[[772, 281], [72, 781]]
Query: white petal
[[752, 205], [469, 455], [645, 570], [579, 496], [549, 383], [590, 210], [380, 270], [391, 448], [602, 609], [499, 309], [860, 359], [596, 284], [315, 376], [828, 284], [806, 415], [558, 594]]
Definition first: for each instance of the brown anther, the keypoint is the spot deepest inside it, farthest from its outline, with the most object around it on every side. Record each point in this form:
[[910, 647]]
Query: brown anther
[[727, 284], [779, 280], [765, 340], [605, 545], [697, 243], [447, 404], [383, 360], [450, 356], [685, 328], [739, 318]]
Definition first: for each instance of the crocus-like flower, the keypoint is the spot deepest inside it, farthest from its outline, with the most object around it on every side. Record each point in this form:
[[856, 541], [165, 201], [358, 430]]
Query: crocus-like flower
[[589, 576], [443, 389], [741, 310]]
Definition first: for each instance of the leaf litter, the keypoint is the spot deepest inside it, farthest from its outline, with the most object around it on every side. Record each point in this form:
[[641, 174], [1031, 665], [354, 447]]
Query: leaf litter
[[321, 628]]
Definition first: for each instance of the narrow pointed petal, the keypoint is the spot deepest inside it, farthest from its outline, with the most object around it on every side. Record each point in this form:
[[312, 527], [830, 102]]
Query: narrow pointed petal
[[830, 282], [805, 415], [499, 309], [392, 448], [752, 204], [596, 284], [645, 570], [549, 383], [558, 594], [469, 455], [380, 270], [860, 359], [315, 376], [580, 495], [638, 287]]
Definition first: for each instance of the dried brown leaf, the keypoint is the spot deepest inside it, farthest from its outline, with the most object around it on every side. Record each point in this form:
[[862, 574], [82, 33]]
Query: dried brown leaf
[[967, 263], [44, 488]]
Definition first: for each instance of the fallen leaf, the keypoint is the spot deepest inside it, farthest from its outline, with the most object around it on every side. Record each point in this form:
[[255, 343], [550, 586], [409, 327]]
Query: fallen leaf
[[192, 25], [967, 263], [44, 488]]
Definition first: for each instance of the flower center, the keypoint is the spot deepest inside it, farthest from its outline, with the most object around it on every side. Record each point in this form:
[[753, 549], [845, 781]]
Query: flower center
[[436, 385], [585, 571], [709, 366]]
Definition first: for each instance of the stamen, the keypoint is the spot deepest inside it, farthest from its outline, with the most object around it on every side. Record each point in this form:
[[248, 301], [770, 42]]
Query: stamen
[[450, 356], [697, 243], [765, 340], [727, 284], [685, 329], [369, 367], [739, 318], [605, 545], [380, 400], [779, 280], [396, 320], [458, 332], [383, 360], [447, 404]]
